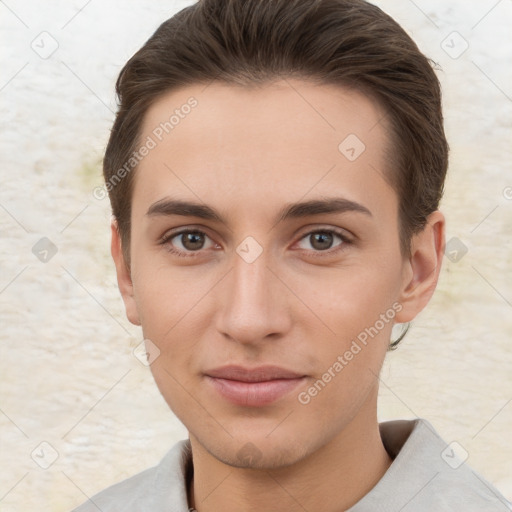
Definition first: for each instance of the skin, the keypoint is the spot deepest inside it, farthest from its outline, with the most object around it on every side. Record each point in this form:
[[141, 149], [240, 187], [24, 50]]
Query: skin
[[247, 153]]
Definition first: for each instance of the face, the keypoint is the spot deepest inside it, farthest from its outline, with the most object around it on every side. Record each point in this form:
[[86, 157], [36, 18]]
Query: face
[[264, 235]]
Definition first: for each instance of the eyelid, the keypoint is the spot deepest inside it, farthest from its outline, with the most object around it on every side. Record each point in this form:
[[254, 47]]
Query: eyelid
[[171, 233], [341, 233], [345, 236], [165, 239]]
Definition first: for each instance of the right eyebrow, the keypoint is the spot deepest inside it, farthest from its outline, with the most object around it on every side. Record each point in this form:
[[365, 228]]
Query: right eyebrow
[[185, 208]]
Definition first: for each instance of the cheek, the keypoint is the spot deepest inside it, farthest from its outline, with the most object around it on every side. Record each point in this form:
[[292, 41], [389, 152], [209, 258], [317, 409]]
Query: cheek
[[352, 298], [174, 308], [337, 396], [348, 363], [171, 313], [359, 307], [166, 296]]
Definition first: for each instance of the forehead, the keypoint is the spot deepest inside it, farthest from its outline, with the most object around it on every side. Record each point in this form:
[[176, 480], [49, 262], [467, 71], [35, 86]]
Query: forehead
[[252, 143]]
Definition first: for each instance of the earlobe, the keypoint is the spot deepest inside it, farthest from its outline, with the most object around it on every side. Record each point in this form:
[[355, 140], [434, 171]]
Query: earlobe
[[124, 279], [421, 272]]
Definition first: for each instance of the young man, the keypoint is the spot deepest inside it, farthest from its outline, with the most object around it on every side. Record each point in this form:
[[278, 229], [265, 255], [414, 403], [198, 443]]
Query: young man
[[275, 170]]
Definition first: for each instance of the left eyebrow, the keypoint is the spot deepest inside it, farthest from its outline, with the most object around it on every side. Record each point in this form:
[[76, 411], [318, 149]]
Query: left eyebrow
[[169, 207], [319, 206]]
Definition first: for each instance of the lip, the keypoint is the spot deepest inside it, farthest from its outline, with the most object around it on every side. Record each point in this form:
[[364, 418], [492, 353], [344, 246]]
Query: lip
[[253, 387]]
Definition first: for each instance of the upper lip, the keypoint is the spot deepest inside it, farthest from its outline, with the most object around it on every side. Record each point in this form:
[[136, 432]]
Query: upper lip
[[258, 374]]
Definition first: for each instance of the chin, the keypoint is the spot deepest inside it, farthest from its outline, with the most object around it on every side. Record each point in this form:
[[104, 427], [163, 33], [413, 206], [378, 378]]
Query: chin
[[258, 451]]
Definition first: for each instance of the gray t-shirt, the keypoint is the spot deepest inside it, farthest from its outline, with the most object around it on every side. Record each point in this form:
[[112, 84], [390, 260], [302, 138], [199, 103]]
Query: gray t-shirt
[[426, 476]]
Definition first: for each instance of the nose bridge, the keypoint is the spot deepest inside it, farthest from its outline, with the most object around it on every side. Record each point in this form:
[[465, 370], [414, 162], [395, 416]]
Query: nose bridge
[[253, 306], [251, 281]]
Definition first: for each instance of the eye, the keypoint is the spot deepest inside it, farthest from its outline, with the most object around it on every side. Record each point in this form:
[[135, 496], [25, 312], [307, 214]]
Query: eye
[[187, 241], [322, 240]]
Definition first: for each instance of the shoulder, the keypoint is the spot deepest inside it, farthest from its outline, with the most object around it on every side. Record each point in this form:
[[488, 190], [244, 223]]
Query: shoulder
[[153, 489], [465, 490], [127, 494], [453, 484], [428, 474]]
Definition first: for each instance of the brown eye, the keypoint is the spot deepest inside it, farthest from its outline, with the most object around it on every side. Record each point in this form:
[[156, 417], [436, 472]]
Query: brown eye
[[192, 241], [188, 241], [322, 240]]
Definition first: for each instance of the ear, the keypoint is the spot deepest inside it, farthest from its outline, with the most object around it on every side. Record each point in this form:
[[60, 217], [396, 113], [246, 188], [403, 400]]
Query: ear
[[421, 269], [124, 279]]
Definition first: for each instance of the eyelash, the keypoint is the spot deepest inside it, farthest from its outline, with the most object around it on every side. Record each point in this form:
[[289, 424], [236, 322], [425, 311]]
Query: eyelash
[[344, 241]]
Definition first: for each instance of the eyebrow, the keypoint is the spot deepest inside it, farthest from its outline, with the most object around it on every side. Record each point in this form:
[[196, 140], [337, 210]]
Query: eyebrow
[[167, 207]]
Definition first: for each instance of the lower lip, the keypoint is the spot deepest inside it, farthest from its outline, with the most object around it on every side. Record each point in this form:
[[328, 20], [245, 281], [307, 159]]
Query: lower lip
[[254, 394]]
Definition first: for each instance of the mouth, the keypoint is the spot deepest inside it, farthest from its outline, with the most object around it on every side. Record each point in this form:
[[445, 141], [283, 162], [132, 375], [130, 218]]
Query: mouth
[[254, 387]]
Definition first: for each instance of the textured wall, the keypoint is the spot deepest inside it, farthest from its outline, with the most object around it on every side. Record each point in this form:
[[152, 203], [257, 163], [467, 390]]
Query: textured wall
[[68, 374]]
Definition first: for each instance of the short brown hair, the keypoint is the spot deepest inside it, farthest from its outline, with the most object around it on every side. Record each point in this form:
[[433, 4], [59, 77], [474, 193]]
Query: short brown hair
[[350, 43]]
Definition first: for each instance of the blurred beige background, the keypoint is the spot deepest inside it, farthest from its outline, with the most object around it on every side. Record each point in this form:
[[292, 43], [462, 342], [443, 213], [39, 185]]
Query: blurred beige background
[[69, 377]]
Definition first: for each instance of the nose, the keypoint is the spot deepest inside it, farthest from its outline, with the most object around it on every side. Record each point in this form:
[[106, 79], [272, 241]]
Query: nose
[[255, 305]]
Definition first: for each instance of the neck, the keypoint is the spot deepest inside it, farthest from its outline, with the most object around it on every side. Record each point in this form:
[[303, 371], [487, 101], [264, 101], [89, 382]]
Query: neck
[[332, 479]]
